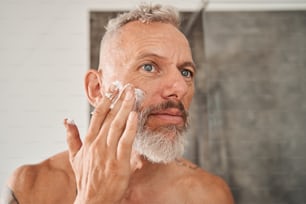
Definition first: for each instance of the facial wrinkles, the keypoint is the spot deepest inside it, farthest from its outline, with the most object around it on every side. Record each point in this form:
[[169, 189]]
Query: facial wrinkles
[[169, 57], [162, 38], [171, 51], [166, 55], [135, 40]]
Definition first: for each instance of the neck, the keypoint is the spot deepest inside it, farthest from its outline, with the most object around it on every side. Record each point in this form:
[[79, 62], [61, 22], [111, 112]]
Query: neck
[[146, 177], [144, 169]]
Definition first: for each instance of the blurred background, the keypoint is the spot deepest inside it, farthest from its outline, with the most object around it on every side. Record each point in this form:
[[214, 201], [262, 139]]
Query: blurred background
[[249, 112]]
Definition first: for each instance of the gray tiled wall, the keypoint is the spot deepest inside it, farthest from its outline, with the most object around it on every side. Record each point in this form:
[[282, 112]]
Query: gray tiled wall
[[251, 93]]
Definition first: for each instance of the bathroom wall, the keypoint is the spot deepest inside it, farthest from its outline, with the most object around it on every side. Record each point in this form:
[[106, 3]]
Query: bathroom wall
[[249, 111]]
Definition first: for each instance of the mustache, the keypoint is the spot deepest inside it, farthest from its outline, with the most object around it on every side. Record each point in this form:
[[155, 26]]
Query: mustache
[[144, 114]]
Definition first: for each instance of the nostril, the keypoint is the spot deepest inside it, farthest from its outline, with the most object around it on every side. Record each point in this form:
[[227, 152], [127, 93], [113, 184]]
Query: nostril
[[172, 96]]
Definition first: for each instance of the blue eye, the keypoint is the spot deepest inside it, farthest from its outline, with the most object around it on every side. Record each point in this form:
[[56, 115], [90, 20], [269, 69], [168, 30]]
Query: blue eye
[[186, 73], [148, 67]]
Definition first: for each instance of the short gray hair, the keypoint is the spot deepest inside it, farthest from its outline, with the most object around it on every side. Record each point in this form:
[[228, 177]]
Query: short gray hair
[[146, 13]]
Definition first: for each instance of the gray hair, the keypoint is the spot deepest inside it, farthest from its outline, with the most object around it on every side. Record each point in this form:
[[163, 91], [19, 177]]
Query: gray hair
[[146, 13]]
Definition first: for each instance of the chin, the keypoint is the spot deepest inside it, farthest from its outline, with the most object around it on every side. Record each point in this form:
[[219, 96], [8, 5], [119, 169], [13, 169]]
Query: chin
[[162, 145], [169, 131]]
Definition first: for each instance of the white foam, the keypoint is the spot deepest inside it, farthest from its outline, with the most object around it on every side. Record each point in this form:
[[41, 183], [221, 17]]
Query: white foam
[[138, 93]]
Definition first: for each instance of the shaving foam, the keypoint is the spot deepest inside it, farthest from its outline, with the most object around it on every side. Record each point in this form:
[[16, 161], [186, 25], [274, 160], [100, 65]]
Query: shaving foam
[[139, 94]]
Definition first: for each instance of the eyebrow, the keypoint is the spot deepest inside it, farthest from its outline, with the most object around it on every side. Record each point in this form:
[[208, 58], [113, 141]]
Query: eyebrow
[[188, 64], [182, 65]]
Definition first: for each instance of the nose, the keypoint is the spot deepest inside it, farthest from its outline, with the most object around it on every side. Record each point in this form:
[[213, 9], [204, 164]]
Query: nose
[[174, 86]]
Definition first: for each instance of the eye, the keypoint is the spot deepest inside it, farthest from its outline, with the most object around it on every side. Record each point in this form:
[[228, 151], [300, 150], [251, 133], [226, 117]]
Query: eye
[[148, 67], [186, 73]]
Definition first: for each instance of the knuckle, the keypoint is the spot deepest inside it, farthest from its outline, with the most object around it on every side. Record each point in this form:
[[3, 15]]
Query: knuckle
[[111, 114], [98, 110], [117, 124], [113, 166], [115, 172], [93, 150], [124, 144], [127, 104]]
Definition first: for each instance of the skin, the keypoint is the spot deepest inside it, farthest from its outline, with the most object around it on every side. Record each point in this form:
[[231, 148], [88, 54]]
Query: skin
[[104, 168]]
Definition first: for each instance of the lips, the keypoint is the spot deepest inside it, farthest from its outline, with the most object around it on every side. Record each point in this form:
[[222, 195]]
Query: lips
[[170, 115], [169, 111]]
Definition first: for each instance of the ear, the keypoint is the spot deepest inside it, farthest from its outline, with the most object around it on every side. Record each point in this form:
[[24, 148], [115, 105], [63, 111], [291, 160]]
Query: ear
[[93, 84]]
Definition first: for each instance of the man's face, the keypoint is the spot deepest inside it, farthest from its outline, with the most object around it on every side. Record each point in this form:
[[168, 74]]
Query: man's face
[[156, 58]]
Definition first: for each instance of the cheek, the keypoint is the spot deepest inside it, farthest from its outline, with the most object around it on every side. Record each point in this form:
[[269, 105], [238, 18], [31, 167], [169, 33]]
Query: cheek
[[151, 94], [149, 98], [188, 98]]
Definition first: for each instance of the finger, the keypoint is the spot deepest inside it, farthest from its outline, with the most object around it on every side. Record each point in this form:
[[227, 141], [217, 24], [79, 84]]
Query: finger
[[125, 143], [119, 122], [72, 137], [99, 114], [109, 120]]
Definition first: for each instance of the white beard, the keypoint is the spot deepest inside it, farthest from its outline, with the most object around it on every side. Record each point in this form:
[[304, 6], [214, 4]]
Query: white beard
[[163, 144], [157, 147]]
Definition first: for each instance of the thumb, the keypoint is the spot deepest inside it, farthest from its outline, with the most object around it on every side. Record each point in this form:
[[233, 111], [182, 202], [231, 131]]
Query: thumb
[[72, 137]]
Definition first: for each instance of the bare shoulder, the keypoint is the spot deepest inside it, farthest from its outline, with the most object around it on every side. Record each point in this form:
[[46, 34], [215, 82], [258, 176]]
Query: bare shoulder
[[202, 186], [27, 175], [31, 178]]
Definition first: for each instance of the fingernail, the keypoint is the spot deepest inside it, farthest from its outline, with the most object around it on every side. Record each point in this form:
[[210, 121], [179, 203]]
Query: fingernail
[[113, 88], [70, 121], [109, 95], [116, 85]]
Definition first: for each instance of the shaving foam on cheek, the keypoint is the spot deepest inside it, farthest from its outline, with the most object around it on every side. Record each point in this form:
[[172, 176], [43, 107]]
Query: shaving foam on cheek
[[139, 94]]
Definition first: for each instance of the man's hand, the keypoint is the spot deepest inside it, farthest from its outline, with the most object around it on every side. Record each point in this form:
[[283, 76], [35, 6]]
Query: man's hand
[[102, 164]]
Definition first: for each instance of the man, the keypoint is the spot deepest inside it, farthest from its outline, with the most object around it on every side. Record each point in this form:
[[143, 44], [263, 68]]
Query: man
[[131, 153]]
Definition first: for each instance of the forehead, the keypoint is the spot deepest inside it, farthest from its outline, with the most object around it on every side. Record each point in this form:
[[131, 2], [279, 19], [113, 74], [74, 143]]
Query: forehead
[[163, 38]]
